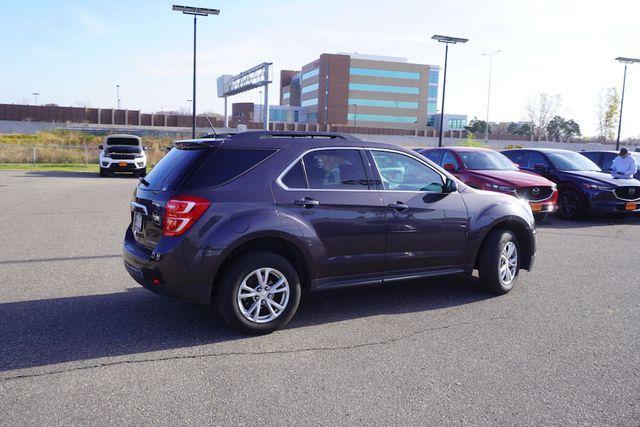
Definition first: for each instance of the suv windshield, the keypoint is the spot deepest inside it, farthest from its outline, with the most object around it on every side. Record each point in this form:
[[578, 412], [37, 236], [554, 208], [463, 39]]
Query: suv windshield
[[569, 161], [486, 160], [122, 141]]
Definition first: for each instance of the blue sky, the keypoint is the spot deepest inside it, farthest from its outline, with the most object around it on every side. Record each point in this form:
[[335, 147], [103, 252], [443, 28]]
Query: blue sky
[[75, 52]]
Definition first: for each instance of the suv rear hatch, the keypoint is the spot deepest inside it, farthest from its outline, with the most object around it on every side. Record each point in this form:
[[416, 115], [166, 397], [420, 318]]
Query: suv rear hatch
[[186, 169]]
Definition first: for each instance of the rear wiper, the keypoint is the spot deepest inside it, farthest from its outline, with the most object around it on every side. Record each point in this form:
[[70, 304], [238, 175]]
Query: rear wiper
[[144, 182]]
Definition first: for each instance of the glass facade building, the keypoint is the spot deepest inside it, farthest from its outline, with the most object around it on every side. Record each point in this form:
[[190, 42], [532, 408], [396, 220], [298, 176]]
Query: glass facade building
[[370, 91]]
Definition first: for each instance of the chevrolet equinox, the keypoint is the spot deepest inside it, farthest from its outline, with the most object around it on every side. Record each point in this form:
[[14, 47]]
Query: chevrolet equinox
[[250, 221]]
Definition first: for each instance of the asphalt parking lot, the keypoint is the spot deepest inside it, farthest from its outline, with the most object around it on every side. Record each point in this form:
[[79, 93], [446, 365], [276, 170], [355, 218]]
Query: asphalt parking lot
[[81, 342]]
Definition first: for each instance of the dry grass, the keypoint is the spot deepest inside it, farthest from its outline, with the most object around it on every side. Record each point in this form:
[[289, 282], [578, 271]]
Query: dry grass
[[66, 147]]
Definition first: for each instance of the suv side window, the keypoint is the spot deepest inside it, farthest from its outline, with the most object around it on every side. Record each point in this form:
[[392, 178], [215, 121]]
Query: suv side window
[[607, 162], [296, 177], [449, 158], [536, 158], [400, 172], [518, 156], [335, 170]]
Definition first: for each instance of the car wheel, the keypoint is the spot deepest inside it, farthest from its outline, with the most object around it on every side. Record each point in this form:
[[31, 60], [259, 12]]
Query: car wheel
[[570, 204], [499, 261], [259, 293], [103, 172]]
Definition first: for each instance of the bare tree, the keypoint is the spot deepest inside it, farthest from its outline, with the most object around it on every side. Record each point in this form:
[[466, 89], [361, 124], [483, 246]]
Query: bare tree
[[607, 110], [540, 111]]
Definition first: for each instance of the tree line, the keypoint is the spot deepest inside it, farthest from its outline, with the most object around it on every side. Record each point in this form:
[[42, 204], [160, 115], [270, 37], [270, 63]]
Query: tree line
[[543, 122]]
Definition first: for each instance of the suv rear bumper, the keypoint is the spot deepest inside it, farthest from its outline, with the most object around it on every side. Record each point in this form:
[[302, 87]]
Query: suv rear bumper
[[190, 280]]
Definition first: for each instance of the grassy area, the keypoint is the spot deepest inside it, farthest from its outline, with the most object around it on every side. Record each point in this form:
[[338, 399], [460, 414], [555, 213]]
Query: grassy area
[[66, 167]]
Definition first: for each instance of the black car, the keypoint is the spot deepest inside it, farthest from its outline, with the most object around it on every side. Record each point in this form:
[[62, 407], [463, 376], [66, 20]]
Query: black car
[[604, 159], [250, 221], [583, 187]]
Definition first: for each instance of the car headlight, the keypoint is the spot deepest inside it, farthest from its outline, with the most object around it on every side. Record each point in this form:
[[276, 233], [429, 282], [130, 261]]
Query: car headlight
[[554, 188], [500, 187], [597, 187]]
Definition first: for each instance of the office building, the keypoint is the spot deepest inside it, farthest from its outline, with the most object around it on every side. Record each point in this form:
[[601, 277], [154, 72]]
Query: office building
[[362, 90]]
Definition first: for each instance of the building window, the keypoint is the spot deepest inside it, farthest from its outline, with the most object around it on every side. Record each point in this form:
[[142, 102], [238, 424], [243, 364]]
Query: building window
[[384, 88], [384, 73], [457, 123], [431, 107], [312, 117], [310, 88], [310, 74], [433, 77], [307, 102], [382, 118], [433, 92], [381, 103]]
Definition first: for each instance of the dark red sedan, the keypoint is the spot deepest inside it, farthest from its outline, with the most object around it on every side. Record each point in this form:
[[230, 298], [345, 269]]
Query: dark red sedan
[[486, 169]]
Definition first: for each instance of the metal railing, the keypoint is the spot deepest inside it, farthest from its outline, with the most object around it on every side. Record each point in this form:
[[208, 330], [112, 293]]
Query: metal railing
[[78, 154]]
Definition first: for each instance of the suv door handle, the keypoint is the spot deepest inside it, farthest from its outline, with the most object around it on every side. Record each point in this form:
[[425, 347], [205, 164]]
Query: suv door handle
[[306, 202], [398, 206]]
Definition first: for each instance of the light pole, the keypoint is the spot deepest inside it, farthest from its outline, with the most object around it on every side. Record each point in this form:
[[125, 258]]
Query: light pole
[[195, 11], [35, 95], [355, 116], [118, 96], [625, 61], [447, 40], [486, 127]]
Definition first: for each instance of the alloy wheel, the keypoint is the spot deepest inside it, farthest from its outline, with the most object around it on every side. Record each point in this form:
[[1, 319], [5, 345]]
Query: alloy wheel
[[508, 263], [263, 295]]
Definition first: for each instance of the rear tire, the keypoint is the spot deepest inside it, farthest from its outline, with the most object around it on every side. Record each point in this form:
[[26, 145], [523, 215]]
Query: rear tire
[[570, 204], [499, 262], [259, 293]]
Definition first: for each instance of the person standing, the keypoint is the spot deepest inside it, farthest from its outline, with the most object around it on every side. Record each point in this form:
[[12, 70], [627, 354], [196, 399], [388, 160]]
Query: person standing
[[624, 165]]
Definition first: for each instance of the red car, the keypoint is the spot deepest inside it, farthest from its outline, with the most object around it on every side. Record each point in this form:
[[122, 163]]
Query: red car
[[486, 169]]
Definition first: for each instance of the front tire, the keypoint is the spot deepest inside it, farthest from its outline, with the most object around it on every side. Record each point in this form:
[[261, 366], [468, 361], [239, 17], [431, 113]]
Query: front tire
[[259, 293], [499, 262], [570, 204], [104, 172]]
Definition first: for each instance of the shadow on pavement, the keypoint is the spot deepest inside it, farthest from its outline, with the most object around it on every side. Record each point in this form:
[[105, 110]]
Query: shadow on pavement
[[556, 222], [65, 174], [49, 331]]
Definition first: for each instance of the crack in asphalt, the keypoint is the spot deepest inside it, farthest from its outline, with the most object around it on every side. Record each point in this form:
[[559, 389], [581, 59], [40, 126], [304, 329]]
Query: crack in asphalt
[[249, 353]]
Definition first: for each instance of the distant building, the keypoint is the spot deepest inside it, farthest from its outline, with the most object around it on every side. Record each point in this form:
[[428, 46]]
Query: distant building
[[363, 90], [451, 122], [247, 112]]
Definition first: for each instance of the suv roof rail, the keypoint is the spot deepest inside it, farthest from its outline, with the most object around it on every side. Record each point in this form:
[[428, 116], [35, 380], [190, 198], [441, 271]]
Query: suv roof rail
[[263, 134]]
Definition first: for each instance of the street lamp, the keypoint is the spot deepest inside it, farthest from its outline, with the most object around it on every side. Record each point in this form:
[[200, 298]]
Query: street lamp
[[486, 127], [447, 40], [118, 96], [625, 61], [355, 115], [195, 11], [35, 95]]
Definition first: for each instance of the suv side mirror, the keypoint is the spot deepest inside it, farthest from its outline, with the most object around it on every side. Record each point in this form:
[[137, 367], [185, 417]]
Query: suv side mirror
[[540, 168], [450, 186], [450, 167], [101, 146]]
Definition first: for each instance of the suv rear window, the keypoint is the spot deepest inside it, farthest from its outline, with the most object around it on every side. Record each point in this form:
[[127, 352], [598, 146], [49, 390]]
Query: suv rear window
[[225, 164], [172, 168]]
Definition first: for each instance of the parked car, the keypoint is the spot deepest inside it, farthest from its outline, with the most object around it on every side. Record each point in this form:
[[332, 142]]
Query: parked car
[[123, 153], [248, 222], [604, 159], [490, 170], [582, 185]]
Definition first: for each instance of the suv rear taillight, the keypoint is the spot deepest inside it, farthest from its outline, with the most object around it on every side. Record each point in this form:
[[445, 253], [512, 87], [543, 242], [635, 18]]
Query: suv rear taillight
[[181, 212]]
